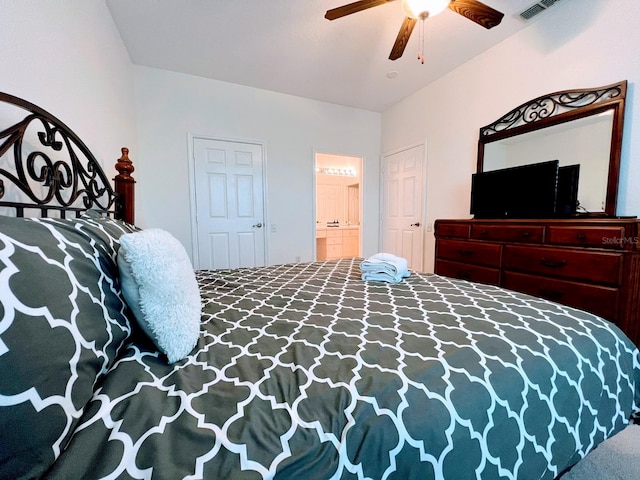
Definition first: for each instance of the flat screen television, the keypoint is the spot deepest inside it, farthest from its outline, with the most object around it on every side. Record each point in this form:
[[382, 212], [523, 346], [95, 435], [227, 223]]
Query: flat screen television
[[567, 195], [527, 191]]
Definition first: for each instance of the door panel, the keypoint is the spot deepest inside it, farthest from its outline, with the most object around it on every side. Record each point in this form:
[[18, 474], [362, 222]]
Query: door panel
[[245, 196], [228, 182], [217, 196], [217, 254], [409, 194]]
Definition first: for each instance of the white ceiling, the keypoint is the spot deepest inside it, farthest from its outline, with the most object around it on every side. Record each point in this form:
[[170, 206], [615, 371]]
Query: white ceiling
[[288, 46]]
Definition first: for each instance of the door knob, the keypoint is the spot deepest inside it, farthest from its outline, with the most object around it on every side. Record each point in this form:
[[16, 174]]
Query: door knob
[[258, 225], [417, 224]]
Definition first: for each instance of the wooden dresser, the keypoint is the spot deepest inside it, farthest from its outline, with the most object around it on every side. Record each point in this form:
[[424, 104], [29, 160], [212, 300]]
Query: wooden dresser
[[592, 264]]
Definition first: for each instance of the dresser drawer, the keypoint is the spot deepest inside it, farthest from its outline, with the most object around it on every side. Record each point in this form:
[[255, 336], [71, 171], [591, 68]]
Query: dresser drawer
[[508, 233], [598, 267], [334, 240], [465, 271], [477, 253], [602, 301], [587, 236], [459, 230], [351, 232]]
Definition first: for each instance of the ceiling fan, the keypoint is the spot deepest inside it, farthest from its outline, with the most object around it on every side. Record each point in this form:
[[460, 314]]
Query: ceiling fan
[[416, 10]]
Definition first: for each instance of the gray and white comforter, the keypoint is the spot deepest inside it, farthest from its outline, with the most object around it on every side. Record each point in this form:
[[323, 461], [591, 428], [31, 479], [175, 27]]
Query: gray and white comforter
[[304, 371]]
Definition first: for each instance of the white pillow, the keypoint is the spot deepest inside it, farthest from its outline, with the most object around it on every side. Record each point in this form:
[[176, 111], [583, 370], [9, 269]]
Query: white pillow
[[160, 287]]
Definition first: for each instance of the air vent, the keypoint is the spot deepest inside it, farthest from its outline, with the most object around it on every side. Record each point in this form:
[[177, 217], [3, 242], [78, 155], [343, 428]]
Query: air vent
[[537, 8]]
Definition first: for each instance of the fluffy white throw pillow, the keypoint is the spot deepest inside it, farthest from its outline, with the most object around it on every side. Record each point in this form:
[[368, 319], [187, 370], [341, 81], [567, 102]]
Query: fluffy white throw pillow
[[160, 287]]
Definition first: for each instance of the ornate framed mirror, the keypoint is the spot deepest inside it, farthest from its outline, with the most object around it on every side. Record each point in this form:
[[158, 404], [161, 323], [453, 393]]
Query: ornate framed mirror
[[582, 127]]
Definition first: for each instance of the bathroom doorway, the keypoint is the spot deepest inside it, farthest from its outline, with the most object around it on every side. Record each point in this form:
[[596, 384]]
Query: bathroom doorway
[[338, 206]]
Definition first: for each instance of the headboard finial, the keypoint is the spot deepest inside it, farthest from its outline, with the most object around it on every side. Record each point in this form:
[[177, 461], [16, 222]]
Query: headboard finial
[[124, 186], [124, 166]]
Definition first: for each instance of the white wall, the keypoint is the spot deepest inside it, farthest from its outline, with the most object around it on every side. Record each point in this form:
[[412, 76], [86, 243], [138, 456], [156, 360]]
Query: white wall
[[67, 57], [577, 44], [171, 106]]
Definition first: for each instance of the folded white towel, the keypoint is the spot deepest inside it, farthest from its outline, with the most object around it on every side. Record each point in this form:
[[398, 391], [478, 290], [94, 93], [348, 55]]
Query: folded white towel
[[381, 277], [384, 267]]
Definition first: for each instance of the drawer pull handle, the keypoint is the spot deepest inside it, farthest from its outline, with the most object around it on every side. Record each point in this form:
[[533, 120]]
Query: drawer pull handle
[[464, 275], [484, 233], [465, 253], [582, 237], [526, 234], [553, 263], [550, 294]]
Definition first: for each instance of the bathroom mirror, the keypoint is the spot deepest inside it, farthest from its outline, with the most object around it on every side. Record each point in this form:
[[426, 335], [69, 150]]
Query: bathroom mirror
[[573, 126]]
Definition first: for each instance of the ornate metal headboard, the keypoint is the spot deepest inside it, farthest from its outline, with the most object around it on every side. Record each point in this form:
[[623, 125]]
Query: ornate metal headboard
[[45, 168]]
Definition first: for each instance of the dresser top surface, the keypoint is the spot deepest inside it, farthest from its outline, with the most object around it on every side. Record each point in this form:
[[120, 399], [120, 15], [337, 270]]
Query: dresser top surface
[[545, 221]]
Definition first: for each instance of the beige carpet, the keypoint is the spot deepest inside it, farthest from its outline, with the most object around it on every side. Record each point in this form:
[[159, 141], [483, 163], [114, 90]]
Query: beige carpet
[[618, 458]]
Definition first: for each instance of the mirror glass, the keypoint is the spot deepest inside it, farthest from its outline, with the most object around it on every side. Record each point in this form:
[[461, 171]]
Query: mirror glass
[[585, 141], [581, 127]]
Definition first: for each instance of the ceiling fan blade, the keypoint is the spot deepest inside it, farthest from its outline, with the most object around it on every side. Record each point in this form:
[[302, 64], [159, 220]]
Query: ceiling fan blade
[[354, 7], [477, 12], [402, 38]]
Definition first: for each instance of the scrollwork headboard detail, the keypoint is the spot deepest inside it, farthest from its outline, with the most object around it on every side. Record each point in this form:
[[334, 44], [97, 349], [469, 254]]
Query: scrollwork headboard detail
[[45, 168]]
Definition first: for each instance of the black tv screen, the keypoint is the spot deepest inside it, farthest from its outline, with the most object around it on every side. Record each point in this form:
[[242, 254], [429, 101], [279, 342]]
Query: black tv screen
[[527, 191], [567, 196]]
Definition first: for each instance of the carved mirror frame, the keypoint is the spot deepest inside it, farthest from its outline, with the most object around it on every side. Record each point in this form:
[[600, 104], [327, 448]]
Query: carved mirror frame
[[561, 107]]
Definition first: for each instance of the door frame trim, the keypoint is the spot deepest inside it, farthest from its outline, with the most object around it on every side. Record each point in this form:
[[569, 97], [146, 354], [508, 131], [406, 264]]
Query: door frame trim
[[424, 215], [191, 137], [316, 151]]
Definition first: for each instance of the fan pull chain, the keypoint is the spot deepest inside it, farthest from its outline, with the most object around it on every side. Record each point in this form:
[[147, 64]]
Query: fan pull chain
[[421, 41]]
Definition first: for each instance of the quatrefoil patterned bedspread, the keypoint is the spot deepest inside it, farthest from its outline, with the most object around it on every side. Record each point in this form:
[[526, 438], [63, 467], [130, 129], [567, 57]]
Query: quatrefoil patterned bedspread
[[304, 371]]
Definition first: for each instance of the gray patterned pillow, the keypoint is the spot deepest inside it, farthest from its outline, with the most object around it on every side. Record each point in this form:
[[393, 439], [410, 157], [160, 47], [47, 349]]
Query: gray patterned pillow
[[62, 323]]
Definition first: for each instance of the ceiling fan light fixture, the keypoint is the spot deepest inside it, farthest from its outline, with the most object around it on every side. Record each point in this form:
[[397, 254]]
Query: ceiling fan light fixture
[[415, 10], [421, 9]]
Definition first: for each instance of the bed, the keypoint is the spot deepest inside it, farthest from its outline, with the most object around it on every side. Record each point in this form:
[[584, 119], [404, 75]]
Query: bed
[[297, 371]]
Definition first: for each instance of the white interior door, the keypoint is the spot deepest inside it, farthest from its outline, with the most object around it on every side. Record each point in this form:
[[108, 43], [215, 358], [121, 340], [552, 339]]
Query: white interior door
[[229, 196], [402, 208]]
